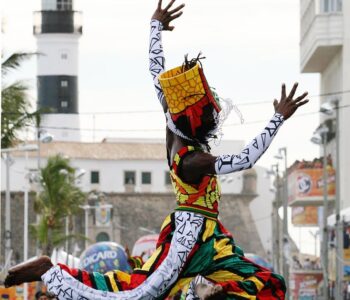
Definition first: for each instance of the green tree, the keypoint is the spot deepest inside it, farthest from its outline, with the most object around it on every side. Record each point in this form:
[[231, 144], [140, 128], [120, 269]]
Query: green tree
[[59, 198], [15, 105]]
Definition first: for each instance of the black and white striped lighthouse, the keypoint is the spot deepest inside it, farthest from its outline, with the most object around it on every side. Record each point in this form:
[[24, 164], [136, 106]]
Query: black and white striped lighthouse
[[58, 28]]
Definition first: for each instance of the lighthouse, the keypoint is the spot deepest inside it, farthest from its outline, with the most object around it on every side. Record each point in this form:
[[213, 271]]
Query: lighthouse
[[58, 28]]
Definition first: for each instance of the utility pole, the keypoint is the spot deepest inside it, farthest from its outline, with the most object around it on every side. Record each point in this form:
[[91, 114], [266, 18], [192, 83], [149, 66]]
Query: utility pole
[[324, 218], [338, 221]]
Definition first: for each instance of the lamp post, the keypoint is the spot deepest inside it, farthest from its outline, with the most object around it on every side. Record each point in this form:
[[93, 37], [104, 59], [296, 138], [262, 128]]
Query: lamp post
[[282, 154], [42, 137], [320, 137], [275, 218], [9, 161], [329, 108]]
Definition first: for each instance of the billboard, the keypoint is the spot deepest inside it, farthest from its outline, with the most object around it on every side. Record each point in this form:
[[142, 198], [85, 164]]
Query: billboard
[[305, 284], [305, 186], [305, 216]]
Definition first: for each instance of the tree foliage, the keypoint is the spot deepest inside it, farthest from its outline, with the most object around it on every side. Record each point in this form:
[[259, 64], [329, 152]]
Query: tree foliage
[[15, 104], [59, 198]]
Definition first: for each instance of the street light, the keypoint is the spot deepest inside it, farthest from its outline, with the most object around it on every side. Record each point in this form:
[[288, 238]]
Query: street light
[[282, 154], [43, 137], [320, 138], [274, 171], [330, 108], [9, 161]]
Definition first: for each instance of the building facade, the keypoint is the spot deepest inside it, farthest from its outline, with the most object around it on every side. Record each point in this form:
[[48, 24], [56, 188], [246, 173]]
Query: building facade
[[133, 178], [325, 49]]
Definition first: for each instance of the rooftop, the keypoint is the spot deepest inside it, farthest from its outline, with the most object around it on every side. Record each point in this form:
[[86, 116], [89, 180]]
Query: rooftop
[[131, 150]]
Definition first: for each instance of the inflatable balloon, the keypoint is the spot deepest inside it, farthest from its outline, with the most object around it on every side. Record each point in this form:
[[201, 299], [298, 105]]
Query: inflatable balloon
[[103, 257], [145, 245], [259, 260]]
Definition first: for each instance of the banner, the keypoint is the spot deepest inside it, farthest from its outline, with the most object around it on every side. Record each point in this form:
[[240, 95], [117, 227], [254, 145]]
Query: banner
[[346, 252], [16, 292], [103, 215], [305, 186], [305, 284], [305, 215]]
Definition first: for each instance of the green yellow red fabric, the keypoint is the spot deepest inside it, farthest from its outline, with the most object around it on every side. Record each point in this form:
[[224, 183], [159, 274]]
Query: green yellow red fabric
[[200, 198], [215, 256]]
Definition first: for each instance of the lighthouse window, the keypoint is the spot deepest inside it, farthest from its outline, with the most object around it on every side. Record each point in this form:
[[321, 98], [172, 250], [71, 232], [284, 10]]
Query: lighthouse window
[[64, 103], [64, 4], [64, 83]]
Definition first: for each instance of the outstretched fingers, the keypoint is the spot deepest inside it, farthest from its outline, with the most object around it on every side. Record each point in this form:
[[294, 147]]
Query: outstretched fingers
[[159, 5], [292, 92], [169, 5], [298, 99], [173, 17], [283, 91], [170, 12], [301, 103]]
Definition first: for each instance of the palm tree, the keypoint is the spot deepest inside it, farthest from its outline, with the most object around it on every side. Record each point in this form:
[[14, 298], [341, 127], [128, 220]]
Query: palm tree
[[15, 105], [60, 198]]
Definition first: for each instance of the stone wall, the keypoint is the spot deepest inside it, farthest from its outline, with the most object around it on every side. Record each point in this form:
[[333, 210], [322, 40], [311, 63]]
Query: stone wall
[[133, 212]]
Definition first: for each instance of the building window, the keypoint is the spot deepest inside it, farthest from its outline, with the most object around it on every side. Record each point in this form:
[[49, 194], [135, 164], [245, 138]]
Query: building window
[[167, 178], [129, 177], [64, 104], [146, 177], [102, 237], [328, 6], [64, 5], [48, 5], [64, 83], [95, 177]]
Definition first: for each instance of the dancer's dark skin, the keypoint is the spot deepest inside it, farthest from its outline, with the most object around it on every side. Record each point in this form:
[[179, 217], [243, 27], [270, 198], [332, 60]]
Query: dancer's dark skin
[[194, 166]]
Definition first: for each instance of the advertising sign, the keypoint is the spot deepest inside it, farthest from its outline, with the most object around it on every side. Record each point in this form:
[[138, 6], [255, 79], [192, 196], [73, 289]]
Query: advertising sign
[[145, 246], [305, 186], [305, 216], [103, 257], [16, 292], [305, 284]]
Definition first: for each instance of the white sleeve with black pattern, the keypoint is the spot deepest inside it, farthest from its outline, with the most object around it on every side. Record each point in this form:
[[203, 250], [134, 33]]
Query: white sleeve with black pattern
[[225, 164], [156, 57]]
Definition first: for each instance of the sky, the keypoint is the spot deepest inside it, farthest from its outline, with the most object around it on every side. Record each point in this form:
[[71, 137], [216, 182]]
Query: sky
[[251, 48]]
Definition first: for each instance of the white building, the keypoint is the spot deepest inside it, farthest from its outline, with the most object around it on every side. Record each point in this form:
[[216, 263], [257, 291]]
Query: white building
[[325, 49], [126, 165]]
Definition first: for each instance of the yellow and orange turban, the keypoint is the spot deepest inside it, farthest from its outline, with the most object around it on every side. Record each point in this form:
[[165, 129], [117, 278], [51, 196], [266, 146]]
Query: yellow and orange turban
[[187, 93]]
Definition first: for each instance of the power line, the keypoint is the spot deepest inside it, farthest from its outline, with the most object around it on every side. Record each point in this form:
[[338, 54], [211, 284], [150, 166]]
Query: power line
[[157, 130], [157, 111]]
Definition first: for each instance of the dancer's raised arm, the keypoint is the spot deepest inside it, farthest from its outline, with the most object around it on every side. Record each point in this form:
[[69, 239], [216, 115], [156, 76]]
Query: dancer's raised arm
[[160, 21], [208, 164]]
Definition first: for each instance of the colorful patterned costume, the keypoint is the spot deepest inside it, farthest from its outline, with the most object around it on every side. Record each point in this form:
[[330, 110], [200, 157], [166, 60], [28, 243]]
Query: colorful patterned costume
[[192, 240]]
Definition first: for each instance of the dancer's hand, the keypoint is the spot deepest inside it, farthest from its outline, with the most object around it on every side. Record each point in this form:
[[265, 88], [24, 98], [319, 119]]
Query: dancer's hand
[[165, 16], [287, 104]]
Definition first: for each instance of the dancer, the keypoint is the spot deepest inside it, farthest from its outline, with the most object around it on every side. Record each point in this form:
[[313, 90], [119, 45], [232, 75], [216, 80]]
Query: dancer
[[192, 240]]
